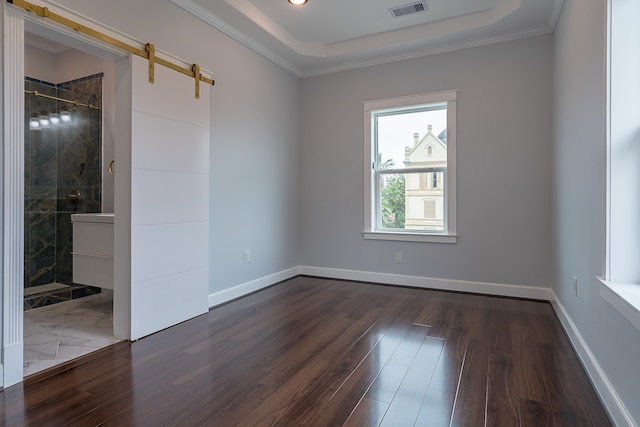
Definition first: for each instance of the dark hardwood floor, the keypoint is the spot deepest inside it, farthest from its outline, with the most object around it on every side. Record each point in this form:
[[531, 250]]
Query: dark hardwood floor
[[317, 352]]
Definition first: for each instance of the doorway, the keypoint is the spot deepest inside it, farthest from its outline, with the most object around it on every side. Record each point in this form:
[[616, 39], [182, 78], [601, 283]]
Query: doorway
[[161, 231], [64, 159], [15, 26]]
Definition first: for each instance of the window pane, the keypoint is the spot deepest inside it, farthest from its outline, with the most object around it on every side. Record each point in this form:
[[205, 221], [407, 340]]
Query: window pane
[[405, 204], [397, 132], [392, 201], [412, 138], [424, 207]]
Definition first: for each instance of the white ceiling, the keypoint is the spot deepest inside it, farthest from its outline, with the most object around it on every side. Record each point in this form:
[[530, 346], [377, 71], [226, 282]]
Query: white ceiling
[[332, 35]]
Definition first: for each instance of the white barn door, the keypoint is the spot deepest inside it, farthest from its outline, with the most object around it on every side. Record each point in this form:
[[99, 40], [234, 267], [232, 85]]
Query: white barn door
[[169, 199]]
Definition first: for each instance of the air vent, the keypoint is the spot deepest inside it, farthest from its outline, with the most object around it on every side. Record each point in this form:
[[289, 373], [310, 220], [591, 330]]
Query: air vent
[[408, 9]]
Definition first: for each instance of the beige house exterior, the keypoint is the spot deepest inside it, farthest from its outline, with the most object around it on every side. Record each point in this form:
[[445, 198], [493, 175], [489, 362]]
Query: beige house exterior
[[424, 191]]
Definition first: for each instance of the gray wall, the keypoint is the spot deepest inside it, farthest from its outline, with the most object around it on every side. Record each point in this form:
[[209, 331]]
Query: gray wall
[[504, 165], [579, 183], [287, 164], [254, 137]]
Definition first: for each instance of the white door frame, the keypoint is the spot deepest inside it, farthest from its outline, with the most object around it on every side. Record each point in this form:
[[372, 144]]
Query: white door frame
[[12, 25]]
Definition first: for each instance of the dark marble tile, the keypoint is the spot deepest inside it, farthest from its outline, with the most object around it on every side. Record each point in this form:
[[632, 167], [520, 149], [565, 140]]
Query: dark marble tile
[[41, 301], [42, 270], [71, 205], [58, 161], [42, 155], [72, 157], [56, 296], [94, 202], [84, 291], [64, 246], [26, 275], [33, 82], [43, 192], [87, 90], [42, 232], [39, 206]]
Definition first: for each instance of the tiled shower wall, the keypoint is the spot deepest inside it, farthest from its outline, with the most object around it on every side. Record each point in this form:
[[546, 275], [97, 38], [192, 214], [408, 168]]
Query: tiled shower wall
[[59, 161]]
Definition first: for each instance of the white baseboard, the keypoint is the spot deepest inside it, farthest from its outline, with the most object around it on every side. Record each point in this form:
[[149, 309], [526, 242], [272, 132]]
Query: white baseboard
[[530, 292], [612, 402], [238, 291], [13, 364], [247, 288]]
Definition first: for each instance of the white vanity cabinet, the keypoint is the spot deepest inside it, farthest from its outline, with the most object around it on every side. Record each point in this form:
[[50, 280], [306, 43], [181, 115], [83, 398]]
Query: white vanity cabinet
[[93, 249]]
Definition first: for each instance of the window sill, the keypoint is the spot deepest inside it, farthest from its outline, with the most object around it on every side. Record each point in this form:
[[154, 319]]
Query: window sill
[[624, 297], [410, 237]]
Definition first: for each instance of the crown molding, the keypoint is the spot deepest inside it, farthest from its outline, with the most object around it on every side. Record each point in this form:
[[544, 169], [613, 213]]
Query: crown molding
[[346, 65], [211, 19], [428, 52]]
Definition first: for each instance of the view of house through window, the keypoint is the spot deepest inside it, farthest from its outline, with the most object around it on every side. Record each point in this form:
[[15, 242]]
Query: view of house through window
[[411, 144], [411, 149]]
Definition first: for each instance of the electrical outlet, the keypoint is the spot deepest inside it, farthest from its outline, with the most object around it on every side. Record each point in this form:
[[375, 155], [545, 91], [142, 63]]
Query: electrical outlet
[[247, 255], [575, 286], [398, 257]]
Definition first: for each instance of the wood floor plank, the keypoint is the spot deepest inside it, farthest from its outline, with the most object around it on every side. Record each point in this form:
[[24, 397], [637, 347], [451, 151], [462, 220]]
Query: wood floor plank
[[383, 337], [273, 409], [569, 397], [470, 402], [436, 409], [502, 405], [53, 412], [368, 413], [447, 374], [247, 388], [386, 385], [348, 394], [533, 400], [346, 398], [321, 352], [405, 406]]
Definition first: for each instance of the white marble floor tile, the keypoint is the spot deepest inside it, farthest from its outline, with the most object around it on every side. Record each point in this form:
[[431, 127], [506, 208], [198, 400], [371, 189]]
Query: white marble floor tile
[[33, 367], [61, 332]]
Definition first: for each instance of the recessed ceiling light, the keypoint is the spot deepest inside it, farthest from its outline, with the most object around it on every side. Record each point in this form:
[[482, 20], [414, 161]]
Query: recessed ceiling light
[[297, 2]]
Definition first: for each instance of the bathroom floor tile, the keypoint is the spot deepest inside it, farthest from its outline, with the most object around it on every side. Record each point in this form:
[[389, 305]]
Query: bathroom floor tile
[[57, 333]]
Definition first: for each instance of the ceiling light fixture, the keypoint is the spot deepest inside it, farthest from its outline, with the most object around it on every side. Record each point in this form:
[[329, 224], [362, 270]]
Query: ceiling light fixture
[[44, 120], [297, 2], [65, 116], [54, 118], [34, 123]]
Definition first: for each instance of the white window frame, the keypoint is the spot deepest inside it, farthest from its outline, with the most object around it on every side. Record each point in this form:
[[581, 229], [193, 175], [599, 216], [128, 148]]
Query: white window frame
[[620, 286], [371, 230]]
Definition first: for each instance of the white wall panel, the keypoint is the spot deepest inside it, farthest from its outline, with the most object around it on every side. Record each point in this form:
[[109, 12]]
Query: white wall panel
[[165, 249], [160, 296], [163, 197], [169, 145], [169, 202], [175, 101]]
